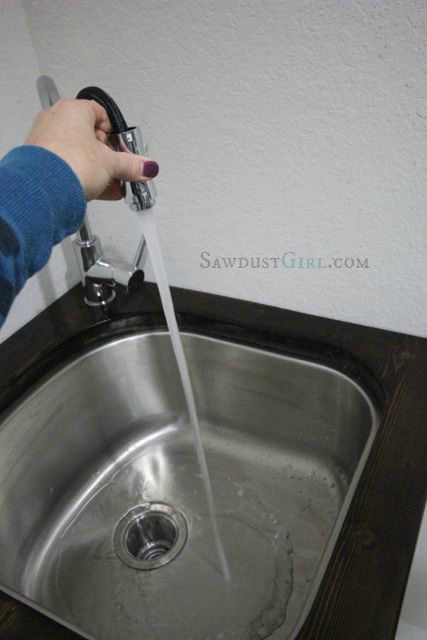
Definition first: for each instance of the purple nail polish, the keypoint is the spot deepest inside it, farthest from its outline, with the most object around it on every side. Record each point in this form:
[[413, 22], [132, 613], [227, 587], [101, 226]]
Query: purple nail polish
[[149, 169]]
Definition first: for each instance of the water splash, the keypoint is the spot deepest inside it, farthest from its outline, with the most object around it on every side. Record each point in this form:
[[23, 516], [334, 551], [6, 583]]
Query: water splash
[[186, 601]]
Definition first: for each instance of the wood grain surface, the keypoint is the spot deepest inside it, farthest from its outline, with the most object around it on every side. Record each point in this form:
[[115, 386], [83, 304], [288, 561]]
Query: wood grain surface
[[363, 587]]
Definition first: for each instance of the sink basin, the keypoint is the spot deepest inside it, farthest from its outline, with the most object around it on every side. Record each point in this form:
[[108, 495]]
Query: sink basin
[[104, 519]]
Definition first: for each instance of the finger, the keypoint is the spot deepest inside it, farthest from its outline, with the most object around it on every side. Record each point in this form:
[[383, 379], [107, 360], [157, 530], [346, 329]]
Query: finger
[[132, 168], [114, 191], [102, 136], [101, 119]]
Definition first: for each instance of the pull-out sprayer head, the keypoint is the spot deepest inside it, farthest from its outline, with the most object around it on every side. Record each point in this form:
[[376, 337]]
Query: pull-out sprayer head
[[139, 195]]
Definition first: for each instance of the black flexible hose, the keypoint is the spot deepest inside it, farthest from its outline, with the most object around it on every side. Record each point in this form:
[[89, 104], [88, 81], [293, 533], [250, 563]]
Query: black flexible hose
[[118, 123]]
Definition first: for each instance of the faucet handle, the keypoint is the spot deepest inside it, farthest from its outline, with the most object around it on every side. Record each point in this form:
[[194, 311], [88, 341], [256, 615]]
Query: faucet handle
[[100, 275], [139, 195]]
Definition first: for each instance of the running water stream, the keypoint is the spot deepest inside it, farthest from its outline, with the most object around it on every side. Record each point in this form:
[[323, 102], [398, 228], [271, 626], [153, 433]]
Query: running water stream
[[150, 232]]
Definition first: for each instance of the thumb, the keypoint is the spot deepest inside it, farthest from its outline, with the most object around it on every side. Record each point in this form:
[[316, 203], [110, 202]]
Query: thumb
[[132, 168]]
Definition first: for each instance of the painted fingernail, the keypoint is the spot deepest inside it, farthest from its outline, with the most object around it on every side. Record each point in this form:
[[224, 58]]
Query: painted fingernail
[[149, 169]]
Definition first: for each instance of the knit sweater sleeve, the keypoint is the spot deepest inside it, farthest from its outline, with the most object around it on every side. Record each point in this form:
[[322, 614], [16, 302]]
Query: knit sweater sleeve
[[41, 202]]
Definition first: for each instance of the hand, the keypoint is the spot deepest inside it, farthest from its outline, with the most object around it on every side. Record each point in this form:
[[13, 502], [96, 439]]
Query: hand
[[76, 130]]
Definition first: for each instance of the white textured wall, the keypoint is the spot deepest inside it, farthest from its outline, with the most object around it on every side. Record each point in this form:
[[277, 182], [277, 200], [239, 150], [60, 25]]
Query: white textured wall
[[18, 105], [279, 125]]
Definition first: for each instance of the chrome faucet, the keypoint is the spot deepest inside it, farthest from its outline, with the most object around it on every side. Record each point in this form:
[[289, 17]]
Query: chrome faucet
[[99, 274]]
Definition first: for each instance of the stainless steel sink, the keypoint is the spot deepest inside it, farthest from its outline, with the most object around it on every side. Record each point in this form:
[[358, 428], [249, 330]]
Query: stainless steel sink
[[103, 518]]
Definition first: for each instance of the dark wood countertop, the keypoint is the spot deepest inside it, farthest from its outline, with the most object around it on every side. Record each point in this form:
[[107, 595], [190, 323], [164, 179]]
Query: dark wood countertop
[[362, 590]]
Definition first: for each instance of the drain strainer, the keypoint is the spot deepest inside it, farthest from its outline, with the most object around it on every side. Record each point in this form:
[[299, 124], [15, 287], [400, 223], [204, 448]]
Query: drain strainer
[[150, 536]]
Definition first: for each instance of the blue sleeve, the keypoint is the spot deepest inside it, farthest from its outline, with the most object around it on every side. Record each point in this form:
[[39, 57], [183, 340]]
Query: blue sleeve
[[41, 202]]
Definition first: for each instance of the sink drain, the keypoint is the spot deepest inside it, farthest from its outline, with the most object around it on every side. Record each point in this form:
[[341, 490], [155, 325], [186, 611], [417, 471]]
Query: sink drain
[[150, 536]]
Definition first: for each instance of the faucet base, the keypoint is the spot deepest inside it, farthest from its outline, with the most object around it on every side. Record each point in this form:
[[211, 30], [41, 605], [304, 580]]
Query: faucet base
[[101, 295]]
